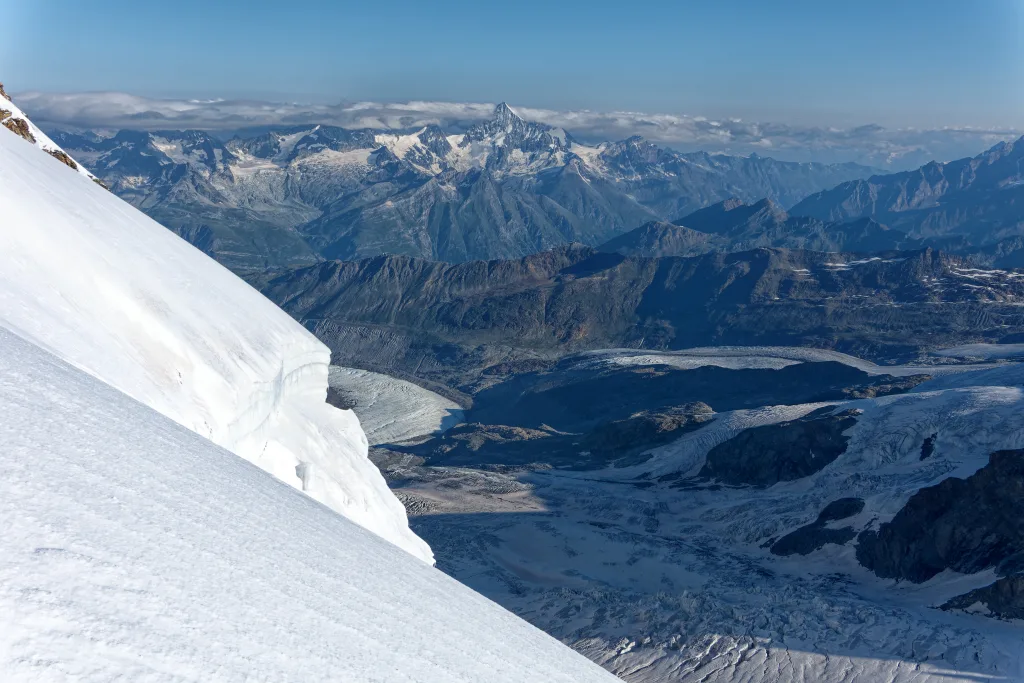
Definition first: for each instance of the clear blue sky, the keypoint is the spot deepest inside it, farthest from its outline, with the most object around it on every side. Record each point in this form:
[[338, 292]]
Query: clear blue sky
[[896, 62]]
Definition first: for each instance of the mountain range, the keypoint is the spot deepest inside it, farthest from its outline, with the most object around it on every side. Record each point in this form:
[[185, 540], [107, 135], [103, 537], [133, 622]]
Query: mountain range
[[462, 324], [978, 199], [179, 501], [503, 188]]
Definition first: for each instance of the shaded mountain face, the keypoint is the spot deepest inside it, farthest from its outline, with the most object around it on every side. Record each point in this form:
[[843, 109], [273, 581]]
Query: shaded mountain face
[[735, 226], [503, 188], [981, 198], [455, 323]]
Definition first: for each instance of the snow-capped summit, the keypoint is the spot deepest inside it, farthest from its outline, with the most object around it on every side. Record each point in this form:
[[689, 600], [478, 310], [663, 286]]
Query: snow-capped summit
[[94, 281], [504, 114]]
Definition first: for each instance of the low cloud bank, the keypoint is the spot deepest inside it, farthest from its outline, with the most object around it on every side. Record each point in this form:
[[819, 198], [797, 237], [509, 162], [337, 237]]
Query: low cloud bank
[[887, 148]]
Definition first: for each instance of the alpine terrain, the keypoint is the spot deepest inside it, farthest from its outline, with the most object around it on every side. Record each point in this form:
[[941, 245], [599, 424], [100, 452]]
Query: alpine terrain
[[500, 188], [178, 500]]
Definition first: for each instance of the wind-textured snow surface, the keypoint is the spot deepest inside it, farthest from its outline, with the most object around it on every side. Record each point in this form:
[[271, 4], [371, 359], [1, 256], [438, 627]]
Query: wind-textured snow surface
[[96, 282], [135, 550], [393, 410]]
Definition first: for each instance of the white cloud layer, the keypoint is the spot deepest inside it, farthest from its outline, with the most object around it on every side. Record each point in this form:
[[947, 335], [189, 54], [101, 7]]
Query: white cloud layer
[[869, 144]]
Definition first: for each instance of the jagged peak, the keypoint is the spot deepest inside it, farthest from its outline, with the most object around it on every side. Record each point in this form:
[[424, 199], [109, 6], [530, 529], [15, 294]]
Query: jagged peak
[[505, 113], [3, 93]]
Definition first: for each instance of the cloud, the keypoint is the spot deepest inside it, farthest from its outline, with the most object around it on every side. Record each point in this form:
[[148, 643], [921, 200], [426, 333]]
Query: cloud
[[868, 144]]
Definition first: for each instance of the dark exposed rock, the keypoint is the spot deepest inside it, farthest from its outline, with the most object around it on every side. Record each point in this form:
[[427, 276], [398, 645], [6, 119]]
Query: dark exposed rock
[[807, 539], [897, 385], [841, 509], [928, 447], [63, 158], [811, 537], [3, 93], [617, 443], [640, 431], [478, 444], [340, 399], [967, 525], [1004, 598], [763, 456], [19, 127]]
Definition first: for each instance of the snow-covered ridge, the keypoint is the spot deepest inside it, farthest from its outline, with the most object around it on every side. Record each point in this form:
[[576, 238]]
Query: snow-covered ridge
[[91, 279], [134, 550], [14, 119]]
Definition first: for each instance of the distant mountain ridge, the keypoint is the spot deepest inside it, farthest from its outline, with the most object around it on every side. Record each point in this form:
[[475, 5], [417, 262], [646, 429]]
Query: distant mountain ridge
[[454, 323], [980, 198], [503, 188], [735, 226]]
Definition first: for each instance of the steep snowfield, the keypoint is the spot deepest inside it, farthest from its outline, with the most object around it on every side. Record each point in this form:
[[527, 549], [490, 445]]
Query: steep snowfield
[[42, 140], [99, 284], [135, 550], [392, 410]]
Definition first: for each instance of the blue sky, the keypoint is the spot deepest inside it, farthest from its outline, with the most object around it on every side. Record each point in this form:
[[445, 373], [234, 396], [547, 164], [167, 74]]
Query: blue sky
[[827, 62]]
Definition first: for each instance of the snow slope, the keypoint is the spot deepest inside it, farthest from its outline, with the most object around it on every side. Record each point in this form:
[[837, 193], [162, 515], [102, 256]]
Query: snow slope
[[96, 282], [42, 140], [393, 410], [135, 550]]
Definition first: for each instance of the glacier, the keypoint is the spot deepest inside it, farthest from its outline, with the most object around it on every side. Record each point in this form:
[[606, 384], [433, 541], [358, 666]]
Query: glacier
[[661, 576], [97, 283]]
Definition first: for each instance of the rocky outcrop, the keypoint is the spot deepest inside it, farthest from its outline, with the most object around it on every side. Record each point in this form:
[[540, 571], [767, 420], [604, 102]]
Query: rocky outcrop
[[617, 442], [811, 537], [644, 430], [967, 525], [1003, 598], [763, 456], [62, 157], [16, 125], [3, 93]]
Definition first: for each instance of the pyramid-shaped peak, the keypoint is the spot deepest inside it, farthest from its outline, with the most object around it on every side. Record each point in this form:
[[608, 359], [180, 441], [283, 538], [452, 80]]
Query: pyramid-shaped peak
[[505, 113], [768, 204]]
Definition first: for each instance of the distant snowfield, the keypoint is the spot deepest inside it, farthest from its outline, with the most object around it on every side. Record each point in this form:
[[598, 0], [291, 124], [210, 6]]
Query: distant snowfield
[[134, 549], [776, 357], [984, 351], [393, 410]]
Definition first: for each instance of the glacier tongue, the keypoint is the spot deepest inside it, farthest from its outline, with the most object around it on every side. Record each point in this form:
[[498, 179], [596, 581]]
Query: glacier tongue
[[97, 283]]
